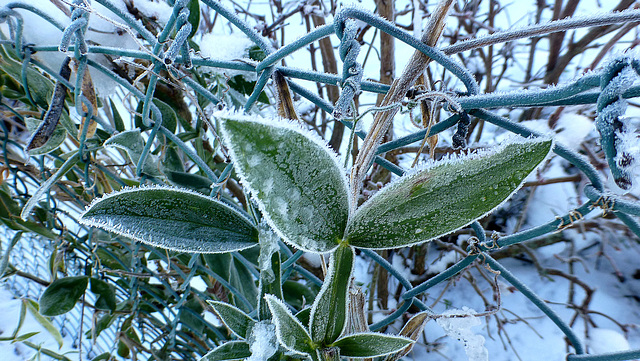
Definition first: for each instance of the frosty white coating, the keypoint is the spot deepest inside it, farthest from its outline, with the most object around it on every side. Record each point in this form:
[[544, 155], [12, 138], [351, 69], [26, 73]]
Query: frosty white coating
[[371, 344], [290, 332], [297, 182], [234, 318], [445, 196], [460, 328], [172, 218], [262, 341]]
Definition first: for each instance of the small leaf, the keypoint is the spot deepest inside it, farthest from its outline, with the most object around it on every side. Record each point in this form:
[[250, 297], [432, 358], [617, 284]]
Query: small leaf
[[412, 330], [370, 344], [118, 123], [90, 93], [31, 203], [237, 321], [172, 218], [329, 312], [62, 295], [169, 117], [291, 334], [46, 137], [131, 142], [230, 351], [33, 308], [194, 16], [445, 197], [296, 180], [106, 294]]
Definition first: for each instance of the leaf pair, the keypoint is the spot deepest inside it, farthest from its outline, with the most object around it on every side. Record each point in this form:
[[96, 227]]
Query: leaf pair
[[302, 190]]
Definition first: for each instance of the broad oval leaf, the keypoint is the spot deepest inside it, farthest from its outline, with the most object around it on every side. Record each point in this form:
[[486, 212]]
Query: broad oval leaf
[[296, 180], [235, 319], [329, 312], [370, 344], [172, 218], [291, 334], [229, 351], [62, 295], [445, 197]]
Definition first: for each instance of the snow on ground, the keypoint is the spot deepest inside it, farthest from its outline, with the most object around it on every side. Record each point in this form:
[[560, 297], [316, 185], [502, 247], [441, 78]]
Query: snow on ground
[[9, 316]]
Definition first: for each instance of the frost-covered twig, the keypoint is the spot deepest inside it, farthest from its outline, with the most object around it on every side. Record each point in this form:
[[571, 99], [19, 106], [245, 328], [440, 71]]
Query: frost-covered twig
[[548, 28]]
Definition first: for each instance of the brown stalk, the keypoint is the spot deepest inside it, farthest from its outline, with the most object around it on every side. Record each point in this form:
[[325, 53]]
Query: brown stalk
[[382, 120], [330, 65]]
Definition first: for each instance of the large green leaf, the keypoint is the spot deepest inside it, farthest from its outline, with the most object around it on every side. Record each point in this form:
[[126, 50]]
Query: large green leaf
[[296, 180], [62, 295], [370, 344], [237, 321], [291, 334], [172, 218], [443, 198], [329, 312], [230, 351]]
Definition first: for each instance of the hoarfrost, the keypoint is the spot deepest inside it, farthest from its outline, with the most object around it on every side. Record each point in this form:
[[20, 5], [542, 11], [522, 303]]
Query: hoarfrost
[[268, 245], [458, 323], [262, 341]]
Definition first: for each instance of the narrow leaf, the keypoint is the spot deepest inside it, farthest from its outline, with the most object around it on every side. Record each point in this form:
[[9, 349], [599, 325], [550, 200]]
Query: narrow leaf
[[172, 218], [236, 321], [33, 308], [329, 312], [62, 295], [230, 351], [291, 334], [46, 132], [443, 198], [66, 166], [295, 179], [370, 344], [412, 330], [89, 92]]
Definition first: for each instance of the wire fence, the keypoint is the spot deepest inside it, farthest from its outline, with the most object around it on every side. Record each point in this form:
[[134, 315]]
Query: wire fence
[[170, 50]]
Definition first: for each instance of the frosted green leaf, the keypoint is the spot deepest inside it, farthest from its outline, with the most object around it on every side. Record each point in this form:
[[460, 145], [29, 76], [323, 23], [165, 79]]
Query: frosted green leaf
[[57, 137], [329, 312], [172, 218], [44, 187], [445, 197], [232, 350], [132, 142], [295, 179], [370, 344], [232, 317], [291, 334]]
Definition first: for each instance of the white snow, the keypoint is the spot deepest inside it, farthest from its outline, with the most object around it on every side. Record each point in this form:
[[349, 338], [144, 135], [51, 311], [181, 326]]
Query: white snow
[[457, 324], [262, 341]]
